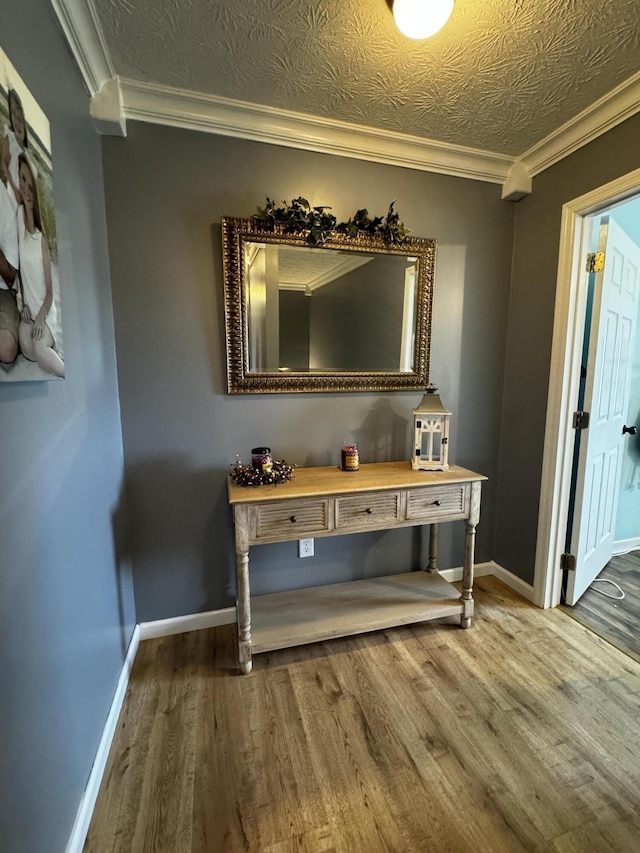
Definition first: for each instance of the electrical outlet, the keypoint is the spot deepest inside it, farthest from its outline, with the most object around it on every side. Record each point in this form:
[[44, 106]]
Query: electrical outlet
[[305, 548]]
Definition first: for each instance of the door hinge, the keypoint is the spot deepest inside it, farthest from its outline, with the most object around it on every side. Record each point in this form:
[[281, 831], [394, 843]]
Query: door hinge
[[580, 420], [595, 261], [567, 562]]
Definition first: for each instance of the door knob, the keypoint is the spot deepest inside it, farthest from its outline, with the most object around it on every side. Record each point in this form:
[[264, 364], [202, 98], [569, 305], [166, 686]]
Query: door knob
[[632, 430]]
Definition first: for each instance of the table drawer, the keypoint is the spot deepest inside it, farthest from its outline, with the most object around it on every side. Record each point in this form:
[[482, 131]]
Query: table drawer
[[438, 502], [290, 519], [367, 512]]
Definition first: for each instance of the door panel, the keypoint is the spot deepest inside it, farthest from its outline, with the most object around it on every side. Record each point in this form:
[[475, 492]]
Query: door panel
[[606, 397]]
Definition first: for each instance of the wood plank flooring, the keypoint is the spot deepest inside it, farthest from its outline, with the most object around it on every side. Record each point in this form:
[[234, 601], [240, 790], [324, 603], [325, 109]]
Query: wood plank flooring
[[520, 734], [616, 621]]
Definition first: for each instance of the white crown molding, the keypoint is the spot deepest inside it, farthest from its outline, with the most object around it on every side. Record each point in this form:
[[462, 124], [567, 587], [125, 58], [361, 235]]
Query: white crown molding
[[613, 108], [107, 109], [208, 113], [197, 111], [81, 27], [518, 183]]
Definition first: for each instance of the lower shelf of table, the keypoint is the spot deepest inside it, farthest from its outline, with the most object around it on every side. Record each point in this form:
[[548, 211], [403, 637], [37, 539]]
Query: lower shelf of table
[[284, 619]]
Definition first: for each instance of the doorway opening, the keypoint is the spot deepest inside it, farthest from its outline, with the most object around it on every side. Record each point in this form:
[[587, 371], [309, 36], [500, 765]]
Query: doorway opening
[[604, 501], [602, 590], [580, 220]]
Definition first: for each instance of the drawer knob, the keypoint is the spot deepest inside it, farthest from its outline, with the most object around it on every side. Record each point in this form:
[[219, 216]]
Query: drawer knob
[[436, 503], [368, 510], [292, 518]]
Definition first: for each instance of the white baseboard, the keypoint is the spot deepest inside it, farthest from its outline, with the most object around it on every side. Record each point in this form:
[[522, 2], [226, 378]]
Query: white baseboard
[[479, 571], [625, 546], [524, 589], [88, 801], [227, 616], [192, 622], [491, 568]]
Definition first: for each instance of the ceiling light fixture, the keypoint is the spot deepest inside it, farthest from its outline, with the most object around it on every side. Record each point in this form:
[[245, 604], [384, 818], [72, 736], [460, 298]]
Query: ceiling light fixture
[[419, 19]]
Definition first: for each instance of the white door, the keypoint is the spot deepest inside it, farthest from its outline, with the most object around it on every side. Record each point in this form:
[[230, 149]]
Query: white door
[[615, 308]]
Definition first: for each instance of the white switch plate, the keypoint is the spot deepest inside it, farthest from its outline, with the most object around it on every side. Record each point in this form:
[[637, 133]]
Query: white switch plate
[[305, 548]]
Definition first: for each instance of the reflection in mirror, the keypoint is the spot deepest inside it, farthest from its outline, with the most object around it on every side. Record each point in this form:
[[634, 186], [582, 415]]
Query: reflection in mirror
[[353, 314], [314, 310]]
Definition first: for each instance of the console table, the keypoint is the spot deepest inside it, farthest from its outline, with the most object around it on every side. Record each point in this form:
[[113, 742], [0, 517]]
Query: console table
[[330, 502]]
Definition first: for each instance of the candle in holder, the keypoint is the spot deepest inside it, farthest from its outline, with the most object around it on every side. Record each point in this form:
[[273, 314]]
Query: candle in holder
[[261, 459], [350, 456]]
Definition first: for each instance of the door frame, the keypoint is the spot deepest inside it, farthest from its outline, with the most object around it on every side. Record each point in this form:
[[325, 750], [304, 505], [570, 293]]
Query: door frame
[[564, 378]]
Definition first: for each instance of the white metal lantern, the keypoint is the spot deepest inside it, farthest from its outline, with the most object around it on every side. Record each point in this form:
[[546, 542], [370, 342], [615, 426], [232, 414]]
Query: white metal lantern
[[431, 433]]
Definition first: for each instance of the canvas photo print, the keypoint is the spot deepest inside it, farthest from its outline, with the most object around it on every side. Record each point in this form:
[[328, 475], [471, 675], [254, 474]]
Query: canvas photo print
[[31, 345]]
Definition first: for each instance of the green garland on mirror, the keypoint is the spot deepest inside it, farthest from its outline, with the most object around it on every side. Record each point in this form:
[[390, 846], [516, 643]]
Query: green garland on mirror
[[321, 225]]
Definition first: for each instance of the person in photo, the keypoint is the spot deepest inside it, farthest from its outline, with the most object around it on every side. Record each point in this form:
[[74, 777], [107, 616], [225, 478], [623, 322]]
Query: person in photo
[[16, 142], [38, 313], [9, 314]]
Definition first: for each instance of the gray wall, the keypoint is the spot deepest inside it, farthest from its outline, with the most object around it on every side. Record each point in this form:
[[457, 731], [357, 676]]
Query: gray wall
[[530, 324], [66, 604], [294, 329], [355, 323], [166, 191]]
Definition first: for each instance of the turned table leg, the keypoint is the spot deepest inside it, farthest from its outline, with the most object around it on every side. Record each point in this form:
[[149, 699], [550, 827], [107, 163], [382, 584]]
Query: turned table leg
[[432, 566], [469, 548], [243, 592], [243, 610], [467, 576]]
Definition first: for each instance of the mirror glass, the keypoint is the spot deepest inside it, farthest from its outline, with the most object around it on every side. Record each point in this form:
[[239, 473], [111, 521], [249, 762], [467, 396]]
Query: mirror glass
[[353, 313], [314, 310]]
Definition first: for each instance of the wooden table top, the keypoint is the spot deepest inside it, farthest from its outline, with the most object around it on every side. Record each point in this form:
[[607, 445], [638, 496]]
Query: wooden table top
[[331, 480]]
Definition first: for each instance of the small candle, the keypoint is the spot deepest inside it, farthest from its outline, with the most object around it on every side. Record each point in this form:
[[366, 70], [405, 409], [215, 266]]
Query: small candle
[[261, 459], [350, 456]]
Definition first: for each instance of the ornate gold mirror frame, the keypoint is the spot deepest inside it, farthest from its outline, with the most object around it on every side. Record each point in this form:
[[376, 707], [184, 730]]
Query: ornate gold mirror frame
[[241, 238]]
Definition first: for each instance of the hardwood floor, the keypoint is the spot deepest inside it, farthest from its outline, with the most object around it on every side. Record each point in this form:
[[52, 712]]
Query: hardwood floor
[[520, 734], [616, 621]]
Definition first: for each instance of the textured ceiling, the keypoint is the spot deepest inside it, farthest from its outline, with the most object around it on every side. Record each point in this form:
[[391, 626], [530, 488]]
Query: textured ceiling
[[500, 76]]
